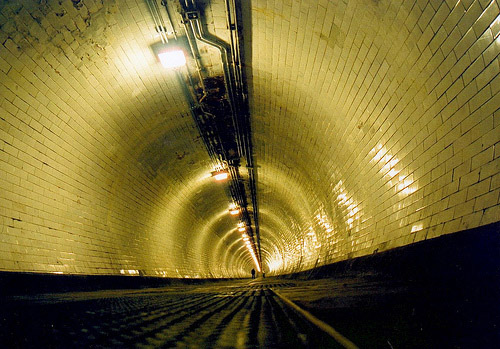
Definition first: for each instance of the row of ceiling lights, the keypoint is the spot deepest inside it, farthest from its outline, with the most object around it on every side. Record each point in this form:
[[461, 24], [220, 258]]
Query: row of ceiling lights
[[172, 56], [235, 210]]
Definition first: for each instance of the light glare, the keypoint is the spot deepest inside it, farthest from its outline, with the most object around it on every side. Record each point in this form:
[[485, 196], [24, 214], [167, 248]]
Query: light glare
[[221, 176], [172, 59]]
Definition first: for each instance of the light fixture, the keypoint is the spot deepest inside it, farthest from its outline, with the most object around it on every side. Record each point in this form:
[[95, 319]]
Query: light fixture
[[233, 209], [242, 229], [172, 58], [220, 175], [241, 224]]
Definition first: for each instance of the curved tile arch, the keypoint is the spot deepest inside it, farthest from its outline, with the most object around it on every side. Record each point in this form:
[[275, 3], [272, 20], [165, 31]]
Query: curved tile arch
[[110, 146], [395, 116], [222, 251], [327, 98], [242, 258], [195, 223], [229, 254], [210, 235]]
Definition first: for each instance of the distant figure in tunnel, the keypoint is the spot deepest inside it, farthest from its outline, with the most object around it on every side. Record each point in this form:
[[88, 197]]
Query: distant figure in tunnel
[[253, 273]]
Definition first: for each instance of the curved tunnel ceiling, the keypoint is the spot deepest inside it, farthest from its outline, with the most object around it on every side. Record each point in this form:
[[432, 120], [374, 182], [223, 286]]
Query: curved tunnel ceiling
[[375, 125]]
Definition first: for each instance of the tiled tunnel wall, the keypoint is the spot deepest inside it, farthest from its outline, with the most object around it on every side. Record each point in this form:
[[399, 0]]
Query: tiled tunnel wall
[[101, 167], [376, 125]]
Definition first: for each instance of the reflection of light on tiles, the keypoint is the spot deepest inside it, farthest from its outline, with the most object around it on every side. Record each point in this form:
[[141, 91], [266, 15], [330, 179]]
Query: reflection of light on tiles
[[275, 265], [352, 210], [342, 198], [389, 166], [350, 205], [392, 173], [388, 163], [417, 227], [406, 188], [323, 221], [161, 273], [495, 23], [408, 191]]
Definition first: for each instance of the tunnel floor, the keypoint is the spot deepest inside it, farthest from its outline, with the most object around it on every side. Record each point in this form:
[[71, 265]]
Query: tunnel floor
[[370, 312]]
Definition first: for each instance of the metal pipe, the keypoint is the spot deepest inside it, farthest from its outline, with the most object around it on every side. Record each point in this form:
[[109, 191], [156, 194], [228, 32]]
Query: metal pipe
[[192, 46], [233, 79], [197, 30], [234, 43], [164, 3], [228, 80], [196, 55], [200, 35], [236, 66], [160, 18], [156, 19], [247, 141], [192, 106]]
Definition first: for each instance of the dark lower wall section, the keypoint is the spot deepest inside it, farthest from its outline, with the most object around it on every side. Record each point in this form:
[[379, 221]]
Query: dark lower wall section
[[466, 259], [32, 283], [469, 255]]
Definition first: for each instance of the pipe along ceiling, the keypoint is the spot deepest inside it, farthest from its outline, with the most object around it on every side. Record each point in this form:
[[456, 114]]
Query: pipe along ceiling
[[345, 128]]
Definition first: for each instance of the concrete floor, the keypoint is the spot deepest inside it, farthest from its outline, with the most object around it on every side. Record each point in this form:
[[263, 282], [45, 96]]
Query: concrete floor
[[371, 312]]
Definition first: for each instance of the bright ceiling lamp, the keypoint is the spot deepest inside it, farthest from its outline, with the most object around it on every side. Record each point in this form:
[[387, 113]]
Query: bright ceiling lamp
[[220, 175], [241, 224], [233, 209], [254, 257], [242, 229], [172, 58]]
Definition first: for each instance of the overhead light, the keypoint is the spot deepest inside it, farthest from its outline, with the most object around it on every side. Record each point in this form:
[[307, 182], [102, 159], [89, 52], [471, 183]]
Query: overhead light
[[241, 224], [220, 175], [233, 209], [172, 58], [242, 229]]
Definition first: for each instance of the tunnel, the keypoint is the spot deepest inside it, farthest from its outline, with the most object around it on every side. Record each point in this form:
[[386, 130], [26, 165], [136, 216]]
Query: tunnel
[[153, 154]]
